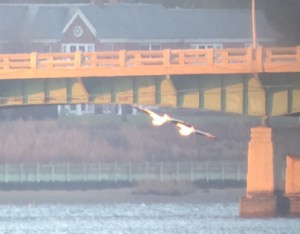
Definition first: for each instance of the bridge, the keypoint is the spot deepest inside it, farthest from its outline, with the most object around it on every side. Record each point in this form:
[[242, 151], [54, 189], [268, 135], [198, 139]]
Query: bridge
[[257, 82]]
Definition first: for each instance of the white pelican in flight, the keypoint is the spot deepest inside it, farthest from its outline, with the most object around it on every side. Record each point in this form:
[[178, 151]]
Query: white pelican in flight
[[157, 120], [186, 129]]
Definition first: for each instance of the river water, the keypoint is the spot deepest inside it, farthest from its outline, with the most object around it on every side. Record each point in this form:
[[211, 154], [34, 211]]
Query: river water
[[131, 218]]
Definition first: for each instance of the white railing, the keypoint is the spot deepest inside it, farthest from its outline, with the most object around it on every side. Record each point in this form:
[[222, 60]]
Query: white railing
[[124, 172]]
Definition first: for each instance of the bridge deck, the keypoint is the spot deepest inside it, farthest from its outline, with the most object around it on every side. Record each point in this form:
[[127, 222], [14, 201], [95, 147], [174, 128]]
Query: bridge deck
[[149, 63], [218, 80]]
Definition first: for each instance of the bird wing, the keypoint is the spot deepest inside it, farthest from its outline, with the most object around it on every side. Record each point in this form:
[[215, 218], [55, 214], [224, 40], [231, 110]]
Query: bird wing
[[146, 111], [185, 129], [206, 134], [180, 122], [140, 109], [182, 125]]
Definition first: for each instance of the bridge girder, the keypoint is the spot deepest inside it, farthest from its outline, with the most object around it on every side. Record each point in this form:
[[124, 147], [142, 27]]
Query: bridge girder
[[263, 95]]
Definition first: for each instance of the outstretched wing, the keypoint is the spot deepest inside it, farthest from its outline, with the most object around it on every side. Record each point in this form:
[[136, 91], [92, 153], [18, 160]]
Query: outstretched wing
[[179, 122], [206, 134], [146, 111], [185, 129], [141, 109]]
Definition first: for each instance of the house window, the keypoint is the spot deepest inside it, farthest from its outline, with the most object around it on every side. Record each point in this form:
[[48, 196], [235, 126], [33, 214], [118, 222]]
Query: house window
[[207, 46], [67, 48], [150, 47]]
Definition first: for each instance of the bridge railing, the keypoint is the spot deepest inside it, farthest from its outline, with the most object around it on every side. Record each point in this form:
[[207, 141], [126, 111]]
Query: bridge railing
[[288, 54], [260, 59], [124, 172], [281, 59]]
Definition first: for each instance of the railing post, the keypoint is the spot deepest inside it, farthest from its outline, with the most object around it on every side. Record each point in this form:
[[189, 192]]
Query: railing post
[[210, 56], [99, 172], [77, 59], [5, 173], [206, 171], [68, 172], [192, 172], [130, 172], [249, 54], [137, 58], [267, 55], [238, 171], [115, 171], [37, 172], [222, 171], [298, 54], [177, 171], [225, 57], [167, 57], [6, 62], [33, 60], [50, 62], [146, 174], [84, 172], [94, 59], [21, 172], [259, 59], [122, 58], [52, 172], [181, 58], [161, 171]]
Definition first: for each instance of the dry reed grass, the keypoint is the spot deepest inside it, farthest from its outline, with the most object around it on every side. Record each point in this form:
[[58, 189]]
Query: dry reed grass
[[109, 141]]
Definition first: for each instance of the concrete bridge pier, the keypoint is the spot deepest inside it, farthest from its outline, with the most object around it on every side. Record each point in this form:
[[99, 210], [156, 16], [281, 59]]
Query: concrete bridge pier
[[260, 199], [292, 184]]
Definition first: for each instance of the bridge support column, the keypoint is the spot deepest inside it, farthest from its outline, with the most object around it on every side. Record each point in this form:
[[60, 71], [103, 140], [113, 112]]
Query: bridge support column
[[292, 184], [260, 199]]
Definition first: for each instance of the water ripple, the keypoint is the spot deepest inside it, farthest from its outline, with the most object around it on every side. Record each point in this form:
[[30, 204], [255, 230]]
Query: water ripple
[[137, 219]]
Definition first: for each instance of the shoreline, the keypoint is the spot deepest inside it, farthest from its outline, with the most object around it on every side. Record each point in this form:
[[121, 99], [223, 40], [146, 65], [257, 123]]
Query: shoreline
[[121, 195]]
